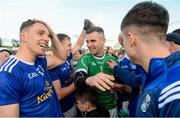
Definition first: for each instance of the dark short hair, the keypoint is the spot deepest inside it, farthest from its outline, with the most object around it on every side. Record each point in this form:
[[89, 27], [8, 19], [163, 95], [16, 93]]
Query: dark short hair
[[173, 37], [148, 14], [95, 29], [28, 23], [87, 94], [177, 31], [62, 36]]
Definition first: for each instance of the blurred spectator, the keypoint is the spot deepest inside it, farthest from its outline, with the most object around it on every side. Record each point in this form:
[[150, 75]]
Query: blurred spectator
[[77, 55], [109, 50], [173, 40], [118, 55], [4, 55], [177, 31]]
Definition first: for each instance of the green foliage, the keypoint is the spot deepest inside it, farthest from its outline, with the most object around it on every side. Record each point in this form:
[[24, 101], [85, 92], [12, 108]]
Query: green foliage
[[15, 43]]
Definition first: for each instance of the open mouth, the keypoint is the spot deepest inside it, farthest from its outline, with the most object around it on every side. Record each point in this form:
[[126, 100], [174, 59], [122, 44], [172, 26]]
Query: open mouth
[[43, 46]]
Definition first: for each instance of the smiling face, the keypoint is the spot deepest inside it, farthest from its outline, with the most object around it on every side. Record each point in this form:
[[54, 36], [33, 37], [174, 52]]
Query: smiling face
[[67, 45], [95, 43], [35, 38]]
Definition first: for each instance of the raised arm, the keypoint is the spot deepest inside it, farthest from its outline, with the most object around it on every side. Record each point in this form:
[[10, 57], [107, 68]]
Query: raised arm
[[79, 42], [82, 36], [59, 53]]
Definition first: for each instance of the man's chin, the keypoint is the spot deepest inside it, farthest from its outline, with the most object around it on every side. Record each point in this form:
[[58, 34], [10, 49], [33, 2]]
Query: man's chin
[[42, 54], [92, 52]]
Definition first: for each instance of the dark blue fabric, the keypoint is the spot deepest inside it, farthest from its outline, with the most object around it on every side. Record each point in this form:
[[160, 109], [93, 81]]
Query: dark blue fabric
[[64, 73], [173, 37], [126, 72], [30, 86], [160, 96]]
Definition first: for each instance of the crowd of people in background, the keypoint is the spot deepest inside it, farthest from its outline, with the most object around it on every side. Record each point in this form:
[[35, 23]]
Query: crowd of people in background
[[139, 80]]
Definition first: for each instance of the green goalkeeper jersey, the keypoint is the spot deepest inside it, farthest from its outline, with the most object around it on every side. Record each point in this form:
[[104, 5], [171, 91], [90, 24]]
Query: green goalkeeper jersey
[[93, 65]]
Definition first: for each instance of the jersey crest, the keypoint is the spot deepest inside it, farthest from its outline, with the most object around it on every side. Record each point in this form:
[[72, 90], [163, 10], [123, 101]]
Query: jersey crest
[[146, 103]]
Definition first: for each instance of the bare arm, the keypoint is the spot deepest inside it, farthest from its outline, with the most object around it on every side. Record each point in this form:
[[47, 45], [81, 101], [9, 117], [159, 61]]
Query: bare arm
[[80, 42], [101, 80], [62, 92], [11, 110], [81, 39], [59, 53]]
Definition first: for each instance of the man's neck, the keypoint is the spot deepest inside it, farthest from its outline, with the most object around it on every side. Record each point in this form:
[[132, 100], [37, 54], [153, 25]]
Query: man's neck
[[145, 59], [100, 54], [25, 55]]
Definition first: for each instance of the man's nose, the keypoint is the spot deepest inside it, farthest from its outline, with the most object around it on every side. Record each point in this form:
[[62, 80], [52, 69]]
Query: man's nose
[[46, 38], [89, 44]]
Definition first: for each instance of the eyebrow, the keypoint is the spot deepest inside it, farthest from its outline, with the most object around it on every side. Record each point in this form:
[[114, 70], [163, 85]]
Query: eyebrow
[[90, 40], [43, 31]]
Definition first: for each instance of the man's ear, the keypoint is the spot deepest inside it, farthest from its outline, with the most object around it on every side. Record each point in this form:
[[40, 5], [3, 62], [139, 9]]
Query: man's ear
[[132, 38], [104, 40], [22, 36]]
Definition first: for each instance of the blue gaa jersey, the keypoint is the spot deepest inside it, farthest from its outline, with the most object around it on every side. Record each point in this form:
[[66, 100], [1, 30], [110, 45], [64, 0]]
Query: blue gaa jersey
[[28, 85], [64, 73], [125, 63], [160, 96], [137, 70]]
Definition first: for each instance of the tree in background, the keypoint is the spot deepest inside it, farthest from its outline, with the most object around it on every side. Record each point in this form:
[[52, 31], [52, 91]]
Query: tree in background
[[15, 43], [0, 42]]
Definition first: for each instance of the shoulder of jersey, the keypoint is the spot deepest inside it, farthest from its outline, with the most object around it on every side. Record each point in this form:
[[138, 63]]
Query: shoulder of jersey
[[9, 65]]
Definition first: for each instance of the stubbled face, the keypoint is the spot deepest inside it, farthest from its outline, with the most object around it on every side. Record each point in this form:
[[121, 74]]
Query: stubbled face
[[36, 39], [67, 45], [81, 106], [95, 43], [4, 55]]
